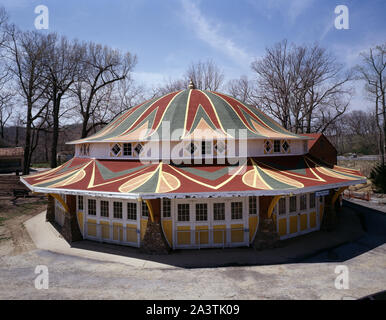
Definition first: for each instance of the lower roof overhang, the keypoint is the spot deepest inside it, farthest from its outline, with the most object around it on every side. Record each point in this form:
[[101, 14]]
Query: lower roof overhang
[[265, 176]]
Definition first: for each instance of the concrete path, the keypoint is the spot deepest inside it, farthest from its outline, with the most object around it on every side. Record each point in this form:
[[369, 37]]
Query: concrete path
[[76, 273]]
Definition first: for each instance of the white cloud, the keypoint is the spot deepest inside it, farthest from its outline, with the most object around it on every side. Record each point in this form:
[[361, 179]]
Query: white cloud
[[209, 32]]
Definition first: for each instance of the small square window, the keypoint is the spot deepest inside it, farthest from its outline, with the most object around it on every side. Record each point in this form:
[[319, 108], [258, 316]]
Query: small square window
[[91, 207], [201, 212], [166, 208], [127, 150], [183, 213], [219, 211], [117, 206], [104, 208], [276, 145], [131, 211], [236, 210]]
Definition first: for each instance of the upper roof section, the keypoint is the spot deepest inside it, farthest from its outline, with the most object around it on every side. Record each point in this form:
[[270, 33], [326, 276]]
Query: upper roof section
[[191, 114]]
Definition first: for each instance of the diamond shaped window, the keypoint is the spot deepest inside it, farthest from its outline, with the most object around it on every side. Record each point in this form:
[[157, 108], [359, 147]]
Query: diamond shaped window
[[191, 148], [220, 147], [116, 149], [267, 146], [138, 148], [285, 146]]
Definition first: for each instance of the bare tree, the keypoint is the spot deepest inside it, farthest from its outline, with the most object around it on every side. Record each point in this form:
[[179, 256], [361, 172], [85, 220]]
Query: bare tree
[[25, 52], [300, 85], [206, 75], [100, 68], [241, 89], [60, 69], [372, 72]]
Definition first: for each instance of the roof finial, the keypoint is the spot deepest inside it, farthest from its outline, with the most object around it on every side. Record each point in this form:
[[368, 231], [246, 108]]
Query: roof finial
[[191, 85]]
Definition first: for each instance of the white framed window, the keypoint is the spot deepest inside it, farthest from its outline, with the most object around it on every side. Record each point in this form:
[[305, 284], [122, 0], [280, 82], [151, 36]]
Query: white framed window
[[312, 200], [303, 202], [127, 149], [236, 210], [219, 211], [276, 146], [292, 204], [166, 208], [117, 210], [201, 212], [91, 207], [183, 212], [206, 147], [104, 207], [252, 205], [132, 211], [145, 209], [80, 203], [282, 206]]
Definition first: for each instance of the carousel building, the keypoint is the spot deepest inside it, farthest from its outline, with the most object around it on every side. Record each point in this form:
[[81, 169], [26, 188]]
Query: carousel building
[[192, 169]]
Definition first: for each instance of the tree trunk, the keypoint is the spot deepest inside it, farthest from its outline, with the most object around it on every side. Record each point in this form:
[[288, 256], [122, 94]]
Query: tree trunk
[[27, 147], [55, 131]]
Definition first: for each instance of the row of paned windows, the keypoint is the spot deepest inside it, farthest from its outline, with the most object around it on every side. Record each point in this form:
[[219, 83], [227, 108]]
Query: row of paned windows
[[131, 208], [293, 207]]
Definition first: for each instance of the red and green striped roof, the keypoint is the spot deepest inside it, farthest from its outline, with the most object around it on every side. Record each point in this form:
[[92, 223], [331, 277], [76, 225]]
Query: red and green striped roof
[[125, 178], [190, 111]]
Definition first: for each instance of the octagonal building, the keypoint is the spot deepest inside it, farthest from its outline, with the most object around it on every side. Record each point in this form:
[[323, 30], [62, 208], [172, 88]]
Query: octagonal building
[[191, 169]]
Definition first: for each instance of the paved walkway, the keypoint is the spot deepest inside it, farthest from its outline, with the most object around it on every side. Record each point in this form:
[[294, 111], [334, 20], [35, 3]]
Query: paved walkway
[[78, 273]]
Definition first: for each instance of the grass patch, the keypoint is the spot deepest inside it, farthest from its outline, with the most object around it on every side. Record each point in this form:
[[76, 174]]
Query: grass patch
[[364, 166], [40, 165]]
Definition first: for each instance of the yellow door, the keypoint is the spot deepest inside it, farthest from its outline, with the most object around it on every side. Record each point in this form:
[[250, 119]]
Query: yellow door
[[293, 220], [282, 226], [202, 235], [313, 220], [303, 221]]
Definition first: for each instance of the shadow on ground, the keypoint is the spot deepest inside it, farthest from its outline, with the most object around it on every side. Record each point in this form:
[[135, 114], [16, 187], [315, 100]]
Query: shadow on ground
[[359, 230]]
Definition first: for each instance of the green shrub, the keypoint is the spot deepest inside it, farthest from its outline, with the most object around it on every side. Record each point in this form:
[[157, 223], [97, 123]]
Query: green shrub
[[378, 178]]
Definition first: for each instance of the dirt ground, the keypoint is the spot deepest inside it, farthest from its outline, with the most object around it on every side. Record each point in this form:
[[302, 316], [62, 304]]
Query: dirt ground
[[14, 239]]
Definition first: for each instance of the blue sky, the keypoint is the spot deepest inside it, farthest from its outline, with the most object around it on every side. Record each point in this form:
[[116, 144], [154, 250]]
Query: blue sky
[[167, 35]]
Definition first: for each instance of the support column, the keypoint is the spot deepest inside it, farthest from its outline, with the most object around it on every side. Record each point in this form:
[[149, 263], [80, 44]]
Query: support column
[[329, 215], [154, 241], [266, 235], [70, 230], [50, 214]]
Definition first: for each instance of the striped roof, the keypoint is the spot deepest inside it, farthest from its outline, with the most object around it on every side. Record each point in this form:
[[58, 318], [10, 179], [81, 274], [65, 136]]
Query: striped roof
[[133, 179], [193, 112]]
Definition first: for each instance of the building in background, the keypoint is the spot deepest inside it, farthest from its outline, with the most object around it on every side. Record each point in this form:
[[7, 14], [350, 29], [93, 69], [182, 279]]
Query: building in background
[[11, 160]]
